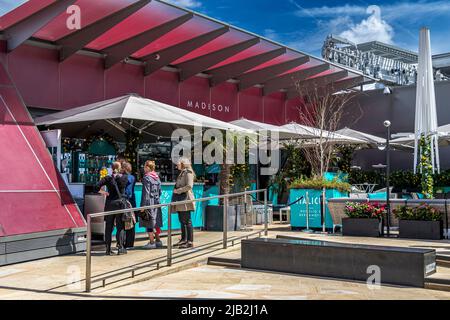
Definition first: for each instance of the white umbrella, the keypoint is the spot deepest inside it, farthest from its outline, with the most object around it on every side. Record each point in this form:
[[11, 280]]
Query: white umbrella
[[282, 132], [370, 139], [445, 129], [115, 115], [442, 137], [426, 115], [330, 137]]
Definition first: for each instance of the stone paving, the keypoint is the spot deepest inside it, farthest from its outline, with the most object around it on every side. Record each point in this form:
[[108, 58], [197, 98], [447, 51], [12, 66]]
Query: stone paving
[[190, 277], [212, 282]]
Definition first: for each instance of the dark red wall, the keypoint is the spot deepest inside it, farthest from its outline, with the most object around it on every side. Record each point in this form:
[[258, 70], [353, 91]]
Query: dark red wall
[[46, 83]]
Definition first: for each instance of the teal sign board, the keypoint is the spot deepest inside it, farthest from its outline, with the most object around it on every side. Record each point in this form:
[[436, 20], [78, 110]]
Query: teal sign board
[[298, 210], [166, 197]]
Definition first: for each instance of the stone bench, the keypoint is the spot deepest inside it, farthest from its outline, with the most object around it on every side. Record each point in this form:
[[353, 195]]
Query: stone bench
[[398, 266]]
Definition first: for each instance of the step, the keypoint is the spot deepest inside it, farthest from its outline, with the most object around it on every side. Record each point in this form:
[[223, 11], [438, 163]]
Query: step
[[224, 262]]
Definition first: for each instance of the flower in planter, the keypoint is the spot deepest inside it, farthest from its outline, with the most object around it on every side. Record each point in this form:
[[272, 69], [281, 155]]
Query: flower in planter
[[364, 210], [424, 212]]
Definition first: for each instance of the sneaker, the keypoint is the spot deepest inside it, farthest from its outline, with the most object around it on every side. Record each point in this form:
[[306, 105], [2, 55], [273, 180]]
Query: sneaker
[[122, 251], [187, 245], [180, 243], [159, 244], [150, 246]]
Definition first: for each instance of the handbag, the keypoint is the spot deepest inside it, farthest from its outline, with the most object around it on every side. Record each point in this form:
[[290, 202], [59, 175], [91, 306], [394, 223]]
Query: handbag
[[128, 218], [177, 197]]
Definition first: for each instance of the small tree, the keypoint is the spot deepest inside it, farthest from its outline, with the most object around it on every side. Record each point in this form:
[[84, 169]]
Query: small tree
[[324, 110]]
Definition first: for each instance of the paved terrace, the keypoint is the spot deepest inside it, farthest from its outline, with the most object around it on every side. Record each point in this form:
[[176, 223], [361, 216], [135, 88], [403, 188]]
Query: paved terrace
[[191, 277]]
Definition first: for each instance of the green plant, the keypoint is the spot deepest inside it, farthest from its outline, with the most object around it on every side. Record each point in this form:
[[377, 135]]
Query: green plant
[[442, 179], [423, 212], [426, 167], [344, 157], [361, 177], [133, 138], [295, 167], [319, 184], [365, 210]]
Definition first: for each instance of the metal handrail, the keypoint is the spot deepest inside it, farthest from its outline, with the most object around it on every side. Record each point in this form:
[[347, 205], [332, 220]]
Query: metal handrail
[[169, 231]]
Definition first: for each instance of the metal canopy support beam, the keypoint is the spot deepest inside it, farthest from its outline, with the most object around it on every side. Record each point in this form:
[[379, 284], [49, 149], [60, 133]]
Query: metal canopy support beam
[[124, 49], [253, 78], [157, 60], [76, 41], [312, 84], [289, 80], [23, 30], [341, 85], [232, 70], [195, 66]]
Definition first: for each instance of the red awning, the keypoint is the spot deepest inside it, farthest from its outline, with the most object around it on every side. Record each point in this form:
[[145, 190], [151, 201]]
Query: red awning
[[158, 34]]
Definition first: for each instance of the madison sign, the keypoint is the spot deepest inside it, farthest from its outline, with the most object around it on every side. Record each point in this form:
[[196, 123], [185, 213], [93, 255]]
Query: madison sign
[[208, 106]]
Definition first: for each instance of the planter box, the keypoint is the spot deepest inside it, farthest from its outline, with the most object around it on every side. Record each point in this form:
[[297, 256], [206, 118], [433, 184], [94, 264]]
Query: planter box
[[360, 227], [214, 218], [429, 230]]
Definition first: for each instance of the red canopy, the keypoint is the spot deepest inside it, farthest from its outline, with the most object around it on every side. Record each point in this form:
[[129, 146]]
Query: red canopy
[[158, 34]]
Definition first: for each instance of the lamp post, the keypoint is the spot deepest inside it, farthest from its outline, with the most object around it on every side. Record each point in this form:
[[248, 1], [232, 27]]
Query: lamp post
[[387, 124]]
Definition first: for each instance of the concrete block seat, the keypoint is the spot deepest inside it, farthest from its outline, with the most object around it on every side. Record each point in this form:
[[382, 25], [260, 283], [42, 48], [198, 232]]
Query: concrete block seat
[[398, 266]]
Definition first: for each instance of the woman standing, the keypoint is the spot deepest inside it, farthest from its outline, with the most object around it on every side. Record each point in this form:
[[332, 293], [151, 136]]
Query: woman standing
[[184, 191], [151, 194], [115, 184], [130, 235]]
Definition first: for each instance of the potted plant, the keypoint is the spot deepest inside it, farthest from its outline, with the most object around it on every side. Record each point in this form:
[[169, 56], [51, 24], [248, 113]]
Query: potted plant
[[422, 222], [364, 219]]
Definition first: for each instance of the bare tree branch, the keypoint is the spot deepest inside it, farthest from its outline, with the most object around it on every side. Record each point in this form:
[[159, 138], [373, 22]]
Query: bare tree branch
[[323, 109]]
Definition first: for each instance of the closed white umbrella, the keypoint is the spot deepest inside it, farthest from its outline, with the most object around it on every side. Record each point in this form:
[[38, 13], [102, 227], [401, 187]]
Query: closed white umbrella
[[426, 115]]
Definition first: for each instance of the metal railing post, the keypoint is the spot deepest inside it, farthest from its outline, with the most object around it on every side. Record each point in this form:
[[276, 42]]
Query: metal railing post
[[88, 254], [225, 222], [266, 215], [324, 208], [169, 236]]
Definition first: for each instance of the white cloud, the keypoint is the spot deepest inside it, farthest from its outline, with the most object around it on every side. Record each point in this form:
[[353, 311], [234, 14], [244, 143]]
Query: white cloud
[[398, 10], [374, 28], [325, 11], [187, 3]]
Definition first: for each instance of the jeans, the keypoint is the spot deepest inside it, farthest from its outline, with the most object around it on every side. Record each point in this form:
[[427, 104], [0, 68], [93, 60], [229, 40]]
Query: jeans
[[109, 227], [187, 230]]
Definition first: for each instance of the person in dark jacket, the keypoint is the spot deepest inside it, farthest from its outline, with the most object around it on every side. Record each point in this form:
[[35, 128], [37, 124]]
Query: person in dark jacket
[[184, 191], [115, 184], [127, 169], [151, 194]]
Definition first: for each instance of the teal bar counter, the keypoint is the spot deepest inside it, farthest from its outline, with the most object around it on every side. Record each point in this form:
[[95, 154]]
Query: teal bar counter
[[166, 197]]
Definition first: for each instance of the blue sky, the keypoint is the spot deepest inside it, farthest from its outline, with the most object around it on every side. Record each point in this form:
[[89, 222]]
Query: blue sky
[[305, 24]]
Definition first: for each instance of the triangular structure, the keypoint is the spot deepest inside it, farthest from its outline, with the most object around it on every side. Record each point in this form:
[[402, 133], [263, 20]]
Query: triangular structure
[[35, 201]]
